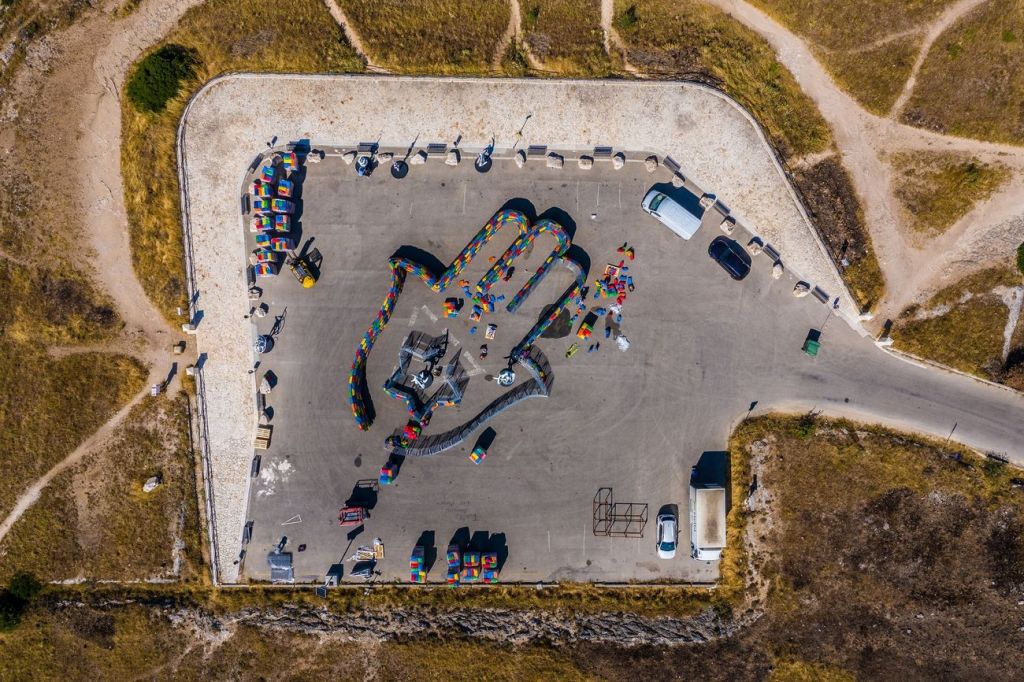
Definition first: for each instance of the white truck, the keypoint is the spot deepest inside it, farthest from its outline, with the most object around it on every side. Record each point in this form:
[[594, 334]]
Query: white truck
[[707, 520]]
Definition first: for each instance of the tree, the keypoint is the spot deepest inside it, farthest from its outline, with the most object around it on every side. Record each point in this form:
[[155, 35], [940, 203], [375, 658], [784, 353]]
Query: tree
[[157, 78], [24, 586]]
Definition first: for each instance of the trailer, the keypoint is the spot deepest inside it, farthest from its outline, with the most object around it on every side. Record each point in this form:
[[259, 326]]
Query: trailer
[[707, 520], [351, 516]]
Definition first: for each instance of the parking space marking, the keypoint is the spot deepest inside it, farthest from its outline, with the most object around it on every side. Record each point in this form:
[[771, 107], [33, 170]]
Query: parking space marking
[[293, 520], [477, 369], [430, 313], [415, 316]]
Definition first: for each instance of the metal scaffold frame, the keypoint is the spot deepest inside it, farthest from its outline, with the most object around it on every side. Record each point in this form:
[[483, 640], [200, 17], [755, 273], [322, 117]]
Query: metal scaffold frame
[[618, 519]]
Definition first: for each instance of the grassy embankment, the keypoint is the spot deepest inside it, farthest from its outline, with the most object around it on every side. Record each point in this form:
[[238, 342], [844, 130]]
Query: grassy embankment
[[963, 325], [972, 82], [251, 36], [566, 37], [869, 46], [937, 189], [883, 553], [429, 36], [693, 41], [832, 204], [99, 524]]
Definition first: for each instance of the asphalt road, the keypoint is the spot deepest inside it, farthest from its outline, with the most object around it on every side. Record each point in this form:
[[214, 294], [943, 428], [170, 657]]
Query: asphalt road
[[704, 349]]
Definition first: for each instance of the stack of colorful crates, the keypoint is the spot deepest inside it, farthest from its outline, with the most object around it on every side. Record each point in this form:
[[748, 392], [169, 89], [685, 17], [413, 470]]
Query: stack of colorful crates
[[265, 256], [282, 206], [260, 188], [585, 330], [470, 567], [281, 244], [417, 565], [451, 307], [268, 173], [387, 474], [265, 269], [261, 223], [290, 161], [285, 188], [282, 222], [454, 557], [489, 567], [260, 205], [478, 454]]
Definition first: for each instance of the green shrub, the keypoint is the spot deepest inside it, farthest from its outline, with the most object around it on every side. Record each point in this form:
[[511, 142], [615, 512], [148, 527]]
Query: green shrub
[[157, 78], [627, 19], [1020, 258], [24, 586]]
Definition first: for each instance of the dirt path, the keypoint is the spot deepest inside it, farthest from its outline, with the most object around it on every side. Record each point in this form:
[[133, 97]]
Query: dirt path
[[86, 76], [98, 438], [612, 38], [863, 139], [937, 28], [350, 34], [512, 32]]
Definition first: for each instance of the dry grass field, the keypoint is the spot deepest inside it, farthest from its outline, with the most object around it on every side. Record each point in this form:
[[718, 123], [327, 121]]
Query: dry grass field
[[972, 82], [885, 554], [874, 75], [429, 36], [691, 40], [566, 36], [251, 36], [97, 521], [868, 45], [962, 326], [936, 189]]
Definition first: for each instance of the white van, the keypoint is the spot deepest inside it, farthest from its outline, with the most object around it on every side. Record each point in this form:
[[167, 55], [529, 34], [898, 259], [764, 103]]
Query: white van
[[674, 216]]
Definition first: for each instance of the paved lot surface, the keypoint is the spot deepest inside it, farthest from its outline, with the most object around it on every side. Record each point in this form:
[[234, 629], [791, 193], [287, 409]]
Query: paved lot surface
[[715, 142], [703, 349]]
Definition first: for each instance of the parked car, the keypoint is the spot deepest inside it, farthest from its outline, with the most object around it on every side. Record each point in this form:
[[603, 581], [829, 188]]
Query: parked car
[[671, 213], [733, 258], [668, 535]]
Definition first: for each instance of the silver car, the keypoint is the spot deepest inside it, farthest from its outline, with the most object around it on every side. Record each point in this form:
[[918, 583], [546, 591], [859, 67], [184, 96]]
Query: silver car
[[668, 535]]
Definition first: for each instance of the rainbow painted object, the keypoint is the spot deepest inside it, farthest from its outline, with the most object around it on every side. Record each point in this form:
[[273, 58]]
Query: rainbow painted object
[[285, 188], [478, 455], [402, 266], [265, 269]]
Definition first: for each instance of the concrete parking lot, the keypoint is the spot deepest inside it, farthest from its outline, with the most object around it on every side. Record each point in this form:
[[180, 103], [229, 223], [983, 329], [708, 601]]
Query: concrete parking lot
[[704, 349]]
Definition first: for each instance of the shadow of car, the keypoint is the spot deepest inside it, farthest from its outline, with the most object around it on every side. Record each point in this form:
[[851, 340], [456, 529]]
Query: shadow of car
[[733, 258]]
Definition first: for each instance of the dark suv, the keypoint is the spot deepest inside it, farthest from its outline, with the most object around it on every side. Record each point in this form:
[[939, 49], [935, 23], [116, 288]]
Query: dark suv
[[731, 256]]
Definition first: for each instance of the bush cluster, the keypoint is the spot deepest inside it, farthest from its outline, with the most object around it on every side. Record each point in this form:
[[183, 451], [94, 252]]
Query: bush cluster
[[157, 78]]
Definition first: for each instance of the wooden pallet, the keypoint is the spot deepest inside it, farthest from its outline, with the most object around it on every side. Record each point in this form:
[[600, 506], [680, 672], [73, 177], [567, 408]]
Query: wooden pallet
[[263, 437]]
